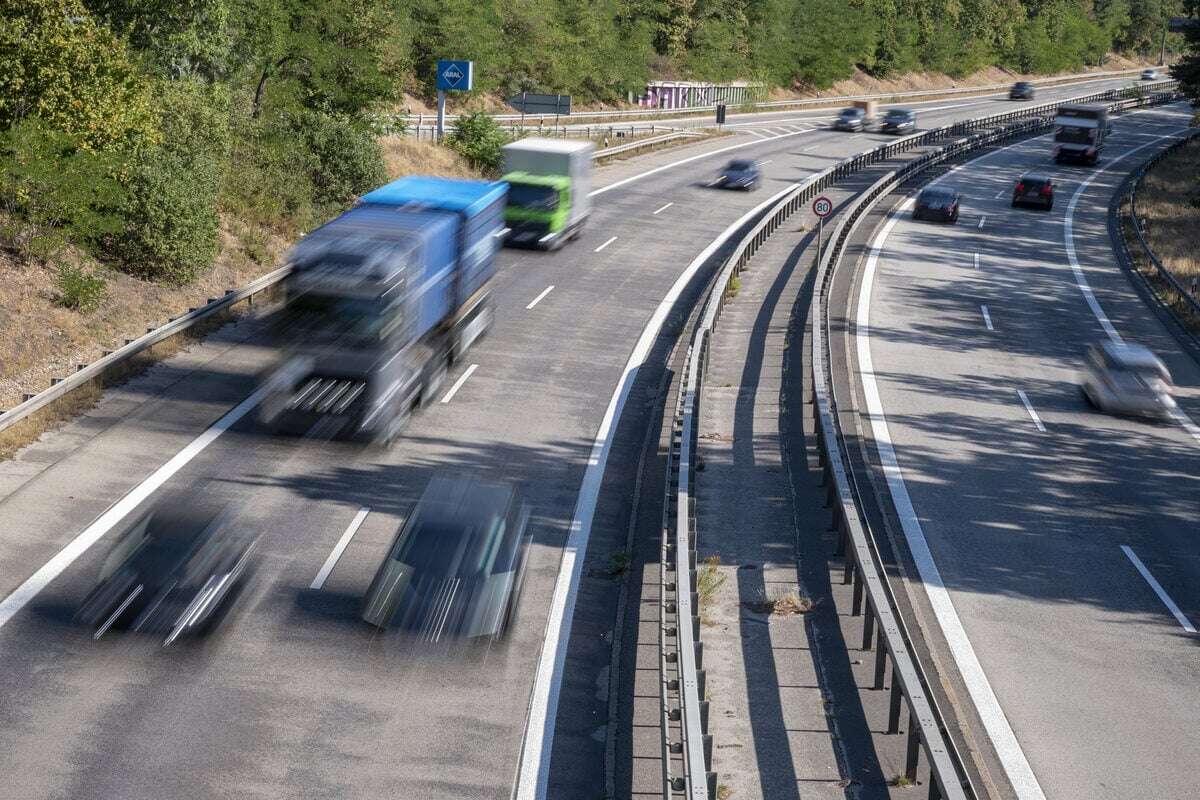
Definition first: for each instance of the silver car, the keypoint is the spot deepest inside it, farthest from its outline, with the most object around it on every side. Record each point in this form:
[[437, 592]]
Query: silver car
[[1127, 379]]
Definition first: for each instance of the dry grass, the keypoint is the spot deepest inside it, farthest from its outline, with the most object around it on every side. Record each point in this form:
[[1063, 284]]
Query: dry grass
[[784, 604], [404, 155], [1169, 203], [41, 340]]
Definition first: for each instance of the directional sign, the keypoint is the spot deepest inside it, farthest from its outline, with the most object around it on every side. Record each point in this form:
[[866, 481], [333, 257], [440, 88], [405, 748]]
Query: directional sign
[[530, 103], [455, 76], [822, 207]]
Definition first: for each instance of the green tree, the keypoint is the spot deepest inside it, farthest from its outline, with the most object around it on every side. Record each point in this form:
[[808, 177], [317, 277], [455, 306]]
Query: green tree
[[171, 228], [54, 192], [1187, 70], [478, 138], [181, 38], [58, 63]]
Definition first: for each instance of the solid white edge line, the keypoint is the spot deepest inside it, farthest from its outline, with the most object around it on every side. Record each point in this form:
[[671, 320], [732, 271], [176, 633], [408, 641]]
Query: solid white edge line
[[1081, 280], [538, 299], [534, 769], [1175, 610], [24, 593], [664, 208], [606, 244], [458, 383], [987, 318], [995, 723], [1033, 415], [339, 548], [687, 160]]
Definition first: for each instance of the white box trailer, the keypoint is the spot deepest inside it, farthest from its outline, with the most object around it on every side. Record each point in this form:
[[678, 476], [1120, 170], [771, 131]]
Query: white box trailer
[[549, 183]]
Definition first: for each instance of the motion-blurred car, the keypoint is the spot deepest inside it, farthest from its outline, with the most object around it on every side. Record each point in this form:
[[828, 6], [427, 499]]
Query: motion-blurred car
[[173, 572], [850, 119], [936, 203], [899, 120], [1150, 75], [1034, 190], [1127, 379], [739, 174], [457, 565], [1021, 90]]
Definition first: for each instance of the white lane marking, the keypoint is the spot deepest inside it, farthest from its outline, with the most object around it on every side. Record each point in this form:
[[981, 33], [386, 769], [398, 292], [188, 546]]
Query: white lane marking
[[664, 208], [1081, 280], [768, 161], [1012, 758], [1001, 193], [689, 160], [810, 148], [534, 769], [458, 383], [606, 244], [977, 261], [1037, 421], [339, 548], [1159, 590], [120, 509], [982, 220], [987, 318], [538, 299]]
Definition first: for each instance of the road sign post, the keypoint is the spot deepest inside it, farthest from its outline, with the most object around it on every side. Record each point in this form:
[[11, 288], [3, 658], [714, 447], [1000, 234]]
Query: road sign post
[[720, 113], [822, 207], [452, 76]]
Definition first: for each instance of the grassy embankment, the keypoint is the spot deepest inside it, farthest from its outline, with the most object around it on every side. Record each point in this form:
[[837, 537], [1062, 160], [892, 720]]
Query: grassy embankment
[[1169, 201]]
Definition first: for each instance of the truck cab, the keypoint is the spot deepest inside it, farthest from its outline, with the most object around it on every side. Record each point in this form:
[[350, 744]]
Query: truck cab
[[380, 302], [1079, 132], [548, 185]]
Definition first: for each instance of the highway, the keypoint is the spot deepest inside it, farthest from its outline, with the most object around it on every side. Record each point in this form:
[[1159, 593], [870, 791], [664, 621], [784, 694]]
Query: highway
[[294, 697], [1053, 546]]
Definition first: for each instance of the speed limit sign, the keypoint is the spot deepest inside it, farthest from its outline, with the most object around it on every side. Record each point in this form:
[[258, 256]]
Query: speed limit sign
[[822, 207]]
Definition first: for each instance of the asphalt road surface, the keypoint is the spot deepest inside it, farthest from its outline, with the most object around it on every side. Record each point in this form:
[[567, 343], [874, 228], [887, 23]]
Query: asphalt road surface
[[1043, 531], [294, 697]]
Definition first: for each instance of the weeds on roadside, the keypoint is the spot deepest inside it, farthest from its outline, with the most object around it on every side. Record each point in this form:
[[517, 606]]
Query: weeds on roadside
[[79, 289]]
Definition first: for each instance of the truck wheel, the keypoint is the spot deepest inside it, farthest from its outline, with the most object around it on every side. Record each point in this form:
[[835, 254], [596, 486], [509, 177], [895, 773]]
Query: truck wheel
[[435, 378]]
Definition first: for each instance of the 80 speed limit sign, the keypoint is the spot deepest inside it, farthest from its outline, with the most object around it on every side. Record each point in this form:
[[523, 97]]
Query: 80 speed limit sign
[[822, 207]]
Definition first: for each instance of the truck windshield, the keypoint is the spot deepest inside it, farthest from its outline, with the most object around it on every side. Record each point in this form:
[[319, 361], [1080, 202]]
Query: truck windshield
[[534, 198], [328, 318], [1075, 135]]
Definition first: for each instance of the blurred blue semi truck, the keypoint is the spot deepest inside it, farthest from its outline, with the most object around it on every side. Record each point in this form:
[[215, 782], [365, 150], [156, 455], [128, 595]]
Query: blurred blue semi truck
[[379, 304]]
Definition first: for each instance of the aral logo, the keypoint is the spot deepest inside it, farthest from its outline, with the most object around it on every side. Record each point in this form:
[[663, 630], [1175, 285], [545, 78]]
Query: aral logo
[[453, 75]]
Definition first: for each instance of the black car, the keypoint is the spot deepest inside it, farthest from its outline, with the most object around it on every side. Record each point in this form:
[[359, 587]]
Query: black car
[[1021, 90], [457, 564], [850, 119], [739, 174], [899, 120], [173, 572], [1034, 190], [938, 204]]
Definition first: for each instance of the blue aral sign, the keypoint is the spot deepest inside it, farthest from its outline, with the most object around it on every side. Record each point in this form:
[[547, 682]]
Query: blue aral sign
[[455, 76]]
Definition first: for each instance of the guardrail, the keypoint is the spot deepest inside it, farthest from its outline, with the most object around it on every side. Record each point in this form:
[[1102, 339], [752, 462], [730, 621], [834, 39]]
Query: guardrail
[[119, 364], [1190, 299], [641, 144], [682, 678], [531, 119]]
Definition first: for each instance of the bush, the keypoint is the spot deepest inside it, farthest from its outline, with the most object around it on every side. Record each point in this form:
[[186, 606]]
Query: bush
[[78, 289], [346, 159], [171, 229], [54, 192], [478, 138]]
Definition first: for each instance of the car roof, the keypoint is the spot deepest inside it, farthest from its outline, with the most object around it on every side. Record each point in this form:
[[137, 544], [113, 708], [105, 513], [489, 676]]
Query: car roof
[[463, 501], [740, 163], [900, 111], [1036, 177], [852, 110], [1134, 356], [938, 191]]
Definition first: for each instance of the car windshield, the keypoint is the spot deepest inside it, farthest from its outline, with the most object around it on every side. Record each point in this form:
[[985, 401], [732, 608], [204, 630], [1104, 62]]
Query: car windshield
[[740, 166], [1032, 182], [936, 196], [852, 112], [443, 548], [1022, 86], [897, 116], [328, 317], [1074, 135], [534, 198]]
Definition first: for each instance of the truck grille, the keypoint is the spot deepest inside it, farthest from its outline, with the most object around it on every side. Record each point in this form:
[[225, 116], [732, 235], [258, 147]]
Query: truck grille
[[327, 395]]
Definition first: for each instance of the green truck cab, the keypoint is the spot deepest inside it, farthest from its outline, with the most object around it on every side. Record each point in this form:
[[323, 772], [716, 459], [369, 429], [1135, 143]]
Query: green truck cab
[[549, 181]]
